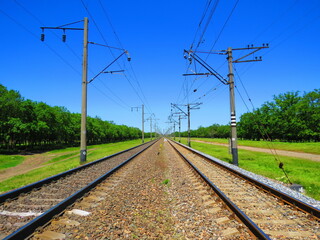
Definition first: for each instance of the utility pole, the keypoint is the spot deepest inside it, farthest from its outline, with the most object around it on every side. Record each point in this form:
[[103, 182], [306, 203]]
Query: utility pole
[[234, 144], [150, 119], [187, 114], [142, 109], [142, 123], [174, 129], [155, 127], [172, 120], [189, 142], [179, 122], [83, 131], [179, 128], [191, 55], [151, 128], [83, 136]]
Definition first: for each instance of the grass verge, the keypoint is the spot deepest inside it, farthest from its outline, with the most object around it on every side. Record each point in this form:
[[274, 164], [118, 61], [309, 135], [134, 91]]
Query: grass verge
[[305, 147], [94, 152], [300, 171], [7, 161]]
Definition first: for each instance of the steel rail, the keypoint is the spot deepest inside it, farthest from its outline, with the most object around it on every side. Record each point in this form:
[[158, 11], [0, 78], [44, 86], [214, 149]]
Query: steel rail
[[28, 188], [255, 230], [28, 229], [265, 187]]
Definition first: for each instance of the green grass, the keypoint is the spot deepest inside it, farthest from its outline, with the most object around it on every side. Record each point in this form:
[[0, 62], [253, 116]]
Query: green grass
[[7, 161], [300, 171], [306, 147], [96, 152], [56, 159]]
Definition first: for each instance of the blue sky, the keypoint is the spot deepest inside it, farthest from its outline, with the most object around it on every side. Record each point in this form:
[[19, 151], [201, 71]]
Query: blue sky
[[155, 33]]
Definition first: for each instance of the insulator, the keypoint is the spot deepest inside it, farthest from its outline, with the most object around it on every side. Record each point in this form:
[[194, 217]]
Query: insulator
[[281, 165], [64, 38], [129, 59], [42, 37]]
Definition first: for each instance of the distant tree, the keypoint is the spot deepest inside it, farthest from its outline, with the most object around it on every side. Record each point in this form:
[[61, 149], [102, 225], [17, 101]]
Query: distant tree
[[27, 123], [289, 117]]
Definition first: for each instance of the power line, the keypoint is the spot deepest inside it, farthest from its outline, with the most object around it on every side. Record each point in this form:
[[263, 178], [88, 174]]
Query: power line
[[118, 39], [223, 27], [108, 97], [199, 25], [275, 20], [207, 23], [262, 129], [41, 23], [37, 37], [127, 78]]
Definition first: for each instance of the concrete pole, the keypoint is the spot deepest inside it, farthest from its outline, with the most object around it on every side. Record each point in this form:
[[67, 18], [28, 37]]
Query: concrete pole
[[189, 143], [234, 144], [151, 128], [83, 134], [179, 129], [142, 123], [174, 130]]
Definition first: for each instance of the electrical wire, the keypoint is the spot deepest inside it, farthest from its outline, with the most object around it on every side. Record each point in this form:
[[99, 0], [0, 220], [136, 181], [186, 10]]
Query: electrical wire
[[75, 54], [201, 20], [223, 27], [214, 7], [185, 88], [102, 36], [262, 130], [47, 45], [277, 19], [219, 35], [52, 31], [125, 106], [120, 43]]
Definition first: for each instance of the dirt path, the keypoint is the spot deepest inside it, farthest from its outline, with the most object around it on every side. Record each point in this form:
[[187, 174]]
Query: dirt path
[[309, 156], [31, 162]]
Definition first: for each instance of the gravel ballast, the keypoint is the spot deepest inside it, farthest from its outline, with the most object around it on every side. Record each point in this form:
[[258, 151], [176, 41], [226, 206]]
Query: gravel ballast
[[156, 196]]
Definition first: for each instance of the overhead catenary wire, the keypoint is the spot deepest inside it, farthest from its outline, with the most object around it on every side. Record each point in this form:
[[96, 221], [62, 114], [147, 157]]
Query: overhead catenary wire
[[104, 39], [53, 32], [121, 45], [123, 105], [223, 27], [121, 102], [262, 129], [277, 19], [184, 87], [37, 37], [213, 9], [217, 38]]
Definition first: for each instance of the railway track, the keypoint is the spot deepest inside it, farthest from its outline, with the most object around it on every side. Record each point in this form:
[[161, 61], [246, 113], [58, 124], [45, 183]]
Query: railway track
[[169, 192], [278, 215], [21, 206], [155, 196]]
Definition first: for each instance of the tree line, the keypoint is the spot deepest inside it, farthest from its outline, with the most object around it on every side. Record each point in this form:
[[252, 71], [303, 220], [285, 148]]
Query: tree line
[[26, 124], [289, 117]]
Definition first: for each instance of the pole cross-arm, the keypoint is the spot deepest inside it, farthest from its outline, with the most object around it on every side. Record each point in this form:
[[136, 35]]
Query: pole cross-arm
[[106, 67], [253, 60], [176, 106], [207, 67]]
